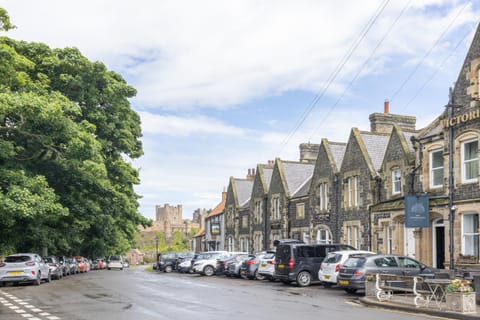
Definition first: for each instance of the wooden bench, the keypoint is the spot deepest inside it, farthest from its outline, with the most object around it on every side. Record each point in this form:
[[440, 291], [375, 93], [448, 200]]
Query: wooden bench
[[387, 284]]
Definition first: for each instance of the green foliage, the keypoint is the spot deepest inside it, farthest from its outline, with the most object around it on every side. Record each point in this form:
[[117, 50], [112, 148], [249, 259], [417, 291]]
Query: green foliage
[[66, 133]]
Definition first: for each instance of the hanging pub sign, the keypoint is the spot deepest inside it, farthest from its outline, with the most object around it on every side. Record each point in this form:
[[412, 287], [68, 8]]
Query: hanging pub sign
[[416, 211], [215, 228]]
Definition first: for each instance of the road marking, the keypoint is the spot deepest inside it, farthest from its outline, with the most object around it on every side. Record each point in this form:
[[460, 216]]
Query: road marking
[[17, 305]]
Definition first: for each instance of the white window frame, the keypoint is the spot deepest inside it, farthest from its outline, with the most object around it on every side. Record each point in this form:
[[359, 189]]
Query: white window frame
[[323, 196], [435, 170], [323, 236], [467, 162], [275, 208], [396, 181], [470, 238]]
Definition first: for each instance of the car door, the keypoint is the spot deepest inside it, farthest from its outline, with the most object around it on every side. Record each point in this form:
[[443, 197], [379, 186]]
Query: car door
[[409, 266]]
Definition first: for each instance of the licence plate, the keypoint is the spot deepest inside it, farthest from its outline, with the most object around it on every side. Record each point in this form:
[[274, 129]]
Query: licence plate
[[344, 282], [281, 266], [15, 273], [326, 277], [264, 265]]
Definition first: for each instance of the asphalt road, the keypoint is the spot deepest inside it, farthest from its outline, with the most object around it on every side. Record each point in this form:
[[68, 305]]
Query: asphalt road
[[135, 294]]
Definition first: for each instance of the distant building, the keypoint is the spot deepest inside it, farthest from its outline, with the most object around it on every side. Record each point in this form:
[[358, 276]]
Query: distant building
[[169, 219]]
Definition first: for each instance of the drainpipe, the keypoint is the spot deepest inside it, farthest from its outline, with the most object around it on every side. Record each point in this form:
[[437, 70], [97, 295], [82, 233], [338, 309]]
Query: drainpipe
[[451, 207]]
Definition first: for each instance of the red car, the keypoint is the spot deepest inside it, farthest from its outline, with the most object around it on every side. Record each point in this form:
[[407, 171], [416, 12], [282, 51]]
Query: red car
[[101, 264], [82, 264]]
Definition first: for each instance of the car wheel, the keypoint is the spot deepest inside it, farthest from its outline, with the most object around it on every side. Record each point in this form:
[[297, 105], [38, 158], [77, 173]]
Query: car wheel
[[208, 271], [168, 269], [259, 276], [304, 279], [350, 290]]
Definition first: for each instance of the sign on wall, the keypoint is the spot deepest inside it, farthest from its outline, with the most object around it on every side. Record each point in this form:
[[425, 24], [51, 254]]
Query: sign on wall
[[416, 211], [215, 228]]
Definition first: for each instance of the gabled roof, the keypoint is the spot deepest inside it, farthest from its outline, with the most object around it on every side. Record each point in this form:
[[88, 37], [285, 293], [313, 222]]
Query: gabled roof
[[264, 173], [294, 175], [220, 207], [405, 142], [432, 129], [242, 189], [375, 144], [336, 150]]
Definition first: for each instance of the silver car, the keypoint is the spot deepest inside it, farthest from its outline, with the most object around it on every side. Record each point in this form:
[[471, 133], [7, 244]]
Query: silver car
[[24, 267]]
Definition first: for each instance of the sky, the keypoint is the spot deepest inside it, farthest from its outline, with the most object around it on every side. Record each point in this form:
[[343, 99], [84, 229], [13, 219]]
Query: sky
[[225, 85]]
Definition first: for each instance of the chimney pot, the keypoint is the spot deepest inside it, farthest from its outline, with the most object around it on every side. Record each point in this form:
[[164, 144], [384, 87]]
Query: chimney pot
[[386, 107]]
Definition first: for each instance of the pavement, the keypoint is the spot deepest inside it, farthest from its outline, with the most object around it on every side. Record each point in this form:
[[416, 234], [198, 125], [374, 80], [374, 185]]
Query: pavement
[[405, 303]]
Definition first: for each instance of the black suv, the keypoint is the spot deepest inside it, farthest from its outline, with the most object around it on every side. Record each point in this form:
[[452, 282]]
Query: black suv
[[296, 262]]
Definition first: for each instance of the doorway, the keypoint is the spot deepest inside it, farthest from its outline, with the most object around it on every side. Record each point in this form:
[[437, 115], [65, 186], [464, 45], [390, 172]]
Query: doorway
[[438, 244]]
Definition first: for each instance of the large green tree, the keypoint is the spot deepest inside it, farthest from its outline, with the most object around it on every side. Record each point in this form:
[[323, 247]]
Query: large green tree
[[67, 131]]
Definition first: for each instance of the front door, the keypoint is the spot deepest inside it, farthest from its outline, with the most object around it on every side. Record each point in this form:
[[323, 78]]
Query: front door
[[439, 244]]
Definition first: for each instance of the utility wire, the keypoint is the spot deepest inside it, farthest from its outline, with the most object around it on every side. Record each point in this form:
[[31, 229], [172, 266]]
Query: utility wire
[[438, 68], [428, 53], [335, 73], [407, 5]]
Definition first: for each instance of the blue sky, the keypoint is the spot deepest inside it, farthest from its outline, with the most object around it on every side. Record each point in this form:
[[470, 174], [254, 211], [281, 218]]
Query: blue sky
[[224, 85]]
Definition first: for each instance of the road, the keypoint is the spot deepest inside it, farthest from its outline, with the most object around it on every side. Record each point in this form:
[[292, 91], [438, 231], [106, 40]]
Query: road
[[140, 295]]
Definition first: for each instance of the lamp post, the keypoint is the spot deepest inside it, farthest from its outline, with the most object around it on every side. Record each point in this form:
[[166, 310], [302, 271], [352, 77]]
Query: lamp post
[[156, 248], [451, 206]]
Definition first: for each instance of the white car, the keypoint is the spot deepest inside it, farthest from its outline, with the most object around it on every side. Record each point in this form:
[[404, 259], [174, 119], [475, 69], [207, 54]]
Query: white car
[[206, 262], [115, 262], [24, 267], [267, 266], [332, 263]]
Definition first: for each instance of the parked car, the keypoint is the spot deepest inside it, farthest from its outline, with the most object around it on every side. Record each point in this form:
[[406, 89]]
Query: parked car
[[24, 267], [266, 268], [73, 265], [82, 264], [186, 256], [56, 269], [115, 262], [206, 262], [101, 263], [126, 264], [352, 274], [332, 263], [167, 261], [65, 265], [249, 267], [296, 262], [231, 265], [94, 265]]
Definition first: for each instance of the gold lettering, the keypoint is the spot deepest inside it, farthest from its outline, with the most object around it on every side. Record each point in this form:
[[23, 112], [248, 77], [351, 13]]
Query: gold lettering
[[444, 123], [472, 115], [452, 122], [464, 117]]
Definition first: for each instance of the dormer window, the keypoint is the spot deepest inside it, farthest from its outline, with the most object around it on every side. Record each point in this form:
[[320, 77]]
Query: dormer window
[[396, 181]]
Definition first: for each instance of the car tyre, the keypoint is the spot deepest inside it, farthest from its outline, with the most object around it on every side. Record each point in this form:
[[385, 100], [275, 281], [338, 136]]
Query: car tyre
[[49, 278], [350, 290], [168, 269], [208, 271], [304, 278]]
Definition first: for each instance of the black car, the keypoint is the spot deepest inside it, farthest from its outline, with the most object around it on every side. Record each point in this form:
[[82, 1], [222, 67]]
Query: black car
[[296, 262], [352, 274], [167, 261]]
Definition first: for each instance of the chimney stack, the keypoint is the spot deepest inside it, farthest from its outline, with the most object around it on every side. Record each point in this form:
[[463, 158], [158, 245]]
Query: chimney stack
[[386, 107]]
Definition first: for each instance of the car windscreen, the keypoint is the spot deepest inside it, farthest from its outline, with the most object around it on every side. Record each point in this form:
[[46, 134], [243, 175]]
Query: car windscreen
[[355, 262], [269, 256], [14, 259], [332, 257]]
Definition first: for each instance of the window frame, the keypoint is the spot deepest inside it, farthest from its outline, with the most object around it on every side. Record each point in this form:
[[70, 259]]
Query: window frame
[[396, 181], [434, 170], [464, 162]]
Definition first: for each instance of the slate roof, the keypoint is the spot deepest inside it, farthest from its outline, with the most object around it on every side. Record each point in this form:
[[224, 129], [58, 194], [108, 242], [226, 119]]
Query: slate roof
[[408, 137], [244, 191], [303, 190], [297, 174], [376, 145], [267, 174], [338, 151]]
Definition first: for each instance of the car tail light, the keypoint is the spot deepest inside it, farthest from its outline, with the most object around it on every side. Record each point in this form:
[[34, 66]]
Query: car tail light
[[358, 273], [321, 265], [30, 263], [271, 262], [337, 267], [250, 262], [291, 263], [33, 272]]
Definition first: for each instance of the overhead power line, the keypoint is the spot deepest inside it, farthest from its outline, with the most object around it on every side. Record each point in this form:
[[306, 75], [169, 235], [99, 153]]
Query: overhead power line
[[335, 73]]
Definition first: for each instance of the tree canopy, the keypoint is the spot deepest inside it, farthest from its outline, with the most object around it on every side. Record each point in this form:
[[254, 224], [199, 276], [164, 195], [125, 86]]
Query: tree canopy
[[67, 133]]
